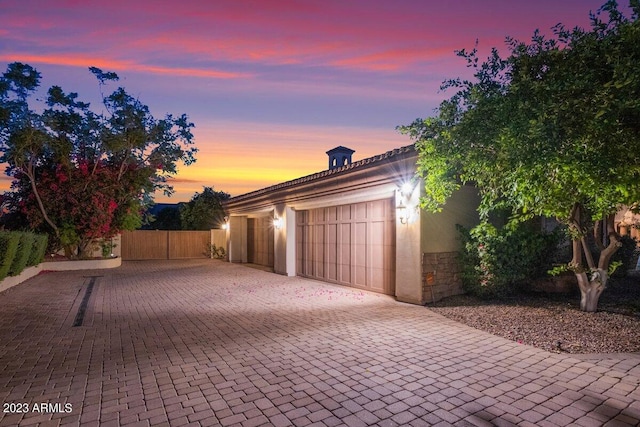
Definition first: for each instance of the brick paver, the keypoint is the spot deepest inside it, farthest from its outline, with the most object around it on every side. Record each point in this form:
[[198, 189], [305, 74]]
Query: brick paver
[[204, 343]]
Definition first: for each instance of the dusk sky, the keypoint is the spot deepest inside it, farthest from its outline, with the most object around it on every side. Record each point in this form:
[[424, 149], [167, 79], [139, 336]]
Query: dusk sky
[[271, 85]]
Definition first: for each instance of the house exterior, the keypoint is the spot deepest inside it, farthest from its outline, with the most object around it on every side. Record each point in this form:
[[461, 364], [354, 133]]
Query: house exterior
[[355, 224], [627, 222]]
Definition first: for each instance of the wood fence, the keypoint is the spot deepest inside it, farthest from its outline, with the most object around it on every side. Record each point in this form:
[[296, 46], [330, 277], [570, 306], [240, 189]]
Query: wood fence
[[164, 244]]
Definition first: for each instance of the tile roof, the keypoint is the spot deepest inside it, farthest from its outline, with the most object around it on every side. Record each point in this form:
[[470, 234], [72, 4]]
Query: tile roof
[[329, 172]]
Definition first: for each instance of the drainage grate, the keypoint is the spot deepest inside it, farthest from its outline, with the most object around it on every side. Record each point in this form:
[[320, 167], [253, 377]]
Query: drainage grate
[[85, 301]]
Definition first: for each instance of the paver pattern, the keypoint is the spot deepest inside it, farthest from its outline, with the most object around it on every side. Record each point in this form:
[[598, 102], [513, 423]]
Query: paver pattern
[[202, 343]]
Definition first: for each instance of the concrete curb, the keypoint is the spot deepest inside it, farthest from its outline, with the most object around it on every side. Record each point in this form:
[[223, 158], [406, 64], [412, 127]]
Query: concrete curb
[[29, 272]]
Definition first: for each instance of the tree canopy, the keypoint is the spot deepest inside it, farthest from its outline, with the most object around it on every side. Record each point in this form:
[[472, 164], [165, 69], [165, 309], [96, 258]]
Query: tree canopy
[[79, 174], [204, 211], [553, 129]]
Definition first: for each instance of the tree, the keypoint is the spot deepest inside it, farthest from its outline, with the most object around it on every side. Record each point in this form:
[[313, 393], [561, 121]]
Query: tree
[[81, 175], [204, 211], [552, 130], [167, 218]]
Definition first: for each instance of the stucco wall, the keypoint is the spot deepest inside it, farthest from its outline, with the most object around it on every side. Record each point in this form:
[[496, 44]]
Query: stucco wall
[[439, 232], [440, 244]]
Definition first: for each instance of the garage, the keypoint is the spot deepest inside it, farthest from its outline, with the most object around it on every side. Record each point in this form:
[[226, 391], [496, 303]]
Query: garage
[[352, 245], [353, 224], [260, 241]]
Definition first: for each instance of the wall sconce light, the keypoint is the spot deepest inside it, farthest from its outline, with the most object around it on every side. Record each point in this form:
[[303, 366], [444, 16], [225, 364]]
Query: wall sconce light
[[225, 224], [406, 189], [402, 212], [407, 206], [278, 223]]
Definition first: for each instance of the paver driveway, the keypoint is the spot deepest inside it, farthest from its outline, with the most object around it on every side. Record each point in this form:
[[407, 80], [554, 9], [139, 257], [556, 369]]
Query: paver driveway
[[210, 343]]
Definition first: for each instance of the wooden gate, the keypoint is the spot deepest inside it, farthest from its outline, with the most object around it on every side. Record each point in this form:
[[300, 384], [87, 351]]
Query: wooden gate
[[163, 244]]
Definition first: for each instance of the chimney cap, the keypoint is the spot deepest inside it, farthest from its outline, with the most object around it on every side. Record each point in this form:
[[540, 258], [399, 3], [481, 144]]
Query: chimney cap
[[341, 149]]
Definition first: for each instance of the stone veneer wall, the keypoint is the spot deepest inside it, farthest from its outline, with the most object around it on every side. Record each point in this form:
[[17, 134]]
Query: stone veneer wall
[[440, 276]]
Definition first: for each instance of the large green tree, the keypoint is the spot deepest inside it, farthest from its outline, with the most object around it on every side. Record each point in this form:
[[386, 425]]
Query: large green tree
[[204, 211], [78, 174], [553, 129]]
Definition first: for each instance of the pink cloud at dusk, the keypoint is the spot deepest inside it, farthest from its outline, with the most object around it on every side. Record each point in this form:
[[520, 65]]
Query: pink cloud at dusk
[[271, 83], [288, 32], [85, 62]]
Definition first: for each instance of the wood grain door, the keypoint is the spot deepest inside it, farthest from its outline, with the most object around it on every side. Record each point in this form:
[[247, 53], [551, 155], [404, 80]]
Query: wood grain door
[[351, 245]]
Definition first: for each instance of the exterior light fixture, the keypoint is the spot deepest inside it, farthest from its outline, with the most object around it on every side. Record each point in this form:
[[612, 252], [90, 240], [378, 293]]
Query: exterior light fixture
[[278, 223], [406, 189], [407, 208], [225, 224], [402, 212]]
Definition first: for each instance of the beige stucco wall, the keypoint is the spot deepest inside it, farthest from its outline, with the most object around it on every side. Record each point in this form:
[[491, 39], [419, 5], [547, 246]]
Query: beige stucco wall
[[237, 239], [408, 250], [439, 232], [440, 244], [284, 251]]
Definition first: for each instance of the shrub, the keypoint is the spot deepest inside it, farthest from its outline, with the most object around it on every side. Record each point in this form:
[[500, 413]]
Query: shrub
[[22, 256], [497, 261], [8, 247], [216, 252], [106, 247], [38, 250]]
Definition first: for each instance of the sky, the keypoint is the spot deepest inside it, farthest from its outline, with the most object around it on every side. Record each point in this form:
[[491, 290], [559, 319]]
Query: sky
[[271, 85]]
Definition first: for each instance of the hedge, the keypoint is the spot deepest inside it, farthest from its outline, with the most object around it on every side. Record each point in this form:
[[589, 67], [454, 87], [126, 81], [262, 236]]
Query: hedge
[[22, 256], [39, 250], [8, 248], [19, 250]]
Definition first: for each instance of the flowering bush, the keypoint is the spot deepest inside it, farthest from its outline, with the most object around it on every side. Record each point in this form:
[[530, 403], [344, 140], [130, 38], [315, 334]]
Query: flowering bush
[[79, 175]]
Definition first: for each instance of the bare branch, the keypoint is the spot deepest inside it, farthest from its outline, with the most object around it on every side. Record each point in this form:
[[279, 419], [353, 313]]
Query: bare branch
[[587, 253], [612, 248], [597, 234], [32, 180]]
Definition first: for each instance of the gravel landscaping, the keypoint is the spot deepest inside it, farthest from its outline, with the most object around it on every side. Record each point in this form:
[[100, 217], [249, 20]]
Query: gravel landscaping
[[555, 322]]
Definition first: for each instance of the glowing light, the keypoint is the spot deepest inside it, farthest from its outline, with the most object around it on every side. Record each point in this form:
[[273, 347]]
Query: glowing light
[[406, 189], [278, 223]]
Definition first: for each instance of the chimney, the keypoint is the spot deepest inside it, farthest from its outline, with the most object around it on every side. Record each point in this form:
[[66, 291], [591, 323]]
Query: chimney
[[339, 156]]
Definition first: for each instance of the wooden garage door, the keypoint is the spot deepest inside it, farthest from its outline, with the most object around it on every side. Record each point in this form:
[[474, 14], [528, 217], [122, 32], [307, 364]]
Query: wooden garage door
[[351, 245], [260, 241]]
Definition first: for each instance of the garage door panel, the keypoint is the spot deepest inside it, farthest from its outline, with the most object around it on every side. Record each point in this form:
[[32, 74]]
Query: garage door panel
[[377, 279], [359, 211], [345, 212], [344, 256], [299, 244], [260, 241], [379, 210], [308, 260], [360, 255], [332, 214], [332, 252], [360, 240], [377, 232], [318, 251]]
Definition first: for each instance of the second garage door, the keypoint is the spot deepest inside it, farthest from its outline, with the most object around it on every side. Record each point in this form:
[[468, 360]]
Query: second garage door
[[260, 241], [352, 245]]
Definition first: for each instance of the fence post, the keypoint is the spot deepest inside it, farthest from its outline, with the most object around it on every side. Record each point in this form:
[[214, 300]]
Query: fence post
[[168, 244], [211, 243]]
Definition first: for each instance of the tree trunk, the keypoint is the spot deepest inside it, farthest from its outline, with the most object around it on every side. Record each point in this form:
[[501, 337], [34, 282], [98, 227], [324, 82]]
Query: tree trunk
[[592, 278], [591, 288], [31, 175], [84, 248]]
